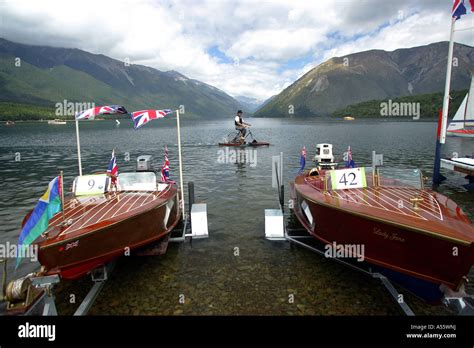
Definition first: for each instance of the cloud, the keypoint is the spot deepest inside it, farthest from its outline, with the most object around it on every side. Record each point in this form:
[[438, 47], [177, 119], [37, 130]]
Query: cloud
[[267, 44]]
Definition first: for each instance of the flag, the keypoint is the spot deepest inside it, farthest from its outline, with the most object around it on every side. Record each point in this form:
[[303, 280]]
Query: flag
[[48, 205], [350, 162], [459, 8], [90, 114], [303, 159], [165, 169], [142, 117], [113, 168]]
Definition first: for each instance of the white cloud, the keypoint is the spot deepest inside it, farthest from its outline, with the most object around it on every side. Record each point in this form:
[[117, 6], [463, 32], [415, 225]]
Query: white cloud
[[263, 35]]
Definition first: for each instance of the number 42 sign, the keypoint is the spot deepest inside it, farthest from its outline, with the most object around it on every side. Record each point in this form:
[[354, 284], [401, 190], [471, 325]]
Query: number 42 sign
[[348, 178]]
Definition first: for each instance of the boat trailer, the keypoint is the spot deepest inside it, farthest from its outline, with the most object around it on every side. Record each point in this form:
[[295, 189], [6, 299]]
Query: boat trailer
[[277, 228], [37, 292]]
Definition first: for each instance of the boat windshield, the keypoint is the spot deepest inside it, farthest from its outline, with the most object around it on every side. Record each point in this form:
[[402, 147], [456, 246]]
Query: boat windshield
[[139, 181], [400, 177]]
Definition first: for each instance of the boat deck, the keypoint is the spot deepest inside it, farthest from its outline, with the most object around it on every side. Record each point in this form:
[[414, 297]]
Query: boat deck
[[435, 214], [88, 212]]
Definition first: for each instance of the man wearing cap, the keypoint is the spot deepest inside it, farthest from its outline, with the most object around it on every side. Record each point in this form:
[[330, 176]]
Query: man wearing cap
[[240, 125]]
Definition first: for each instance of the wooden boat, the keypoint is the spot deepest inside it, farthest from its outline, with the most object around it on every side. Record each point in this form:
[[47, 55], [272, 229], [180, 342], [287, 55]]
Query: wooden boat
[[97, 228], [57, 122], [349, 118], [418, 238], [460, 127], [9, 123]]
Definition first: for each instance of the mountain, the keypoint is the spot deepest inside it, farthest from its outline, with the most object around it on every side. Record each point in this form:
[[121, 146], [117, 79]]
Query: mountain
[[48, 75], [371, 75], [268, 101], [248, 104]]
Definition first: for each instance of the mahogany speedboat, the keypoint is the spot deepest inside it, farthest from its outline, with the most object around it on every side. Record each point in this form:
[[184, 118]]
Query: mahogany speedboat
[[416, 237], [102, 222]]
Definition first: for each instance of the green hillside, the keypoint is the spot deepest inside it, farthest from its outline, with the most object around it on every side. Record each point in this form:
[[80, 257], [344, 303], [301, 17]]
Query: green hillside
[[49, 75], [429, 105], [371, 75]]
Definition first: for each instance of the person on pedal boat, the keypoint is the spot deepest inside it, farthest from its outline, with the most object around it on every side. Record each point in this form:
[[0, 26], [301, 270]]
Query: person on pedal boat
[[240, 125]]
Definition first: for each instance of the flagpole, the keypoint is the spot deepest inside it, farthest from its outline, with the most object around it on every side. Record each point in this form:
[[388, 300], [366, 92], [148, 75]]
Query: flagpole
[[444, 119], [78, 147], [180, 163], [61, 176]]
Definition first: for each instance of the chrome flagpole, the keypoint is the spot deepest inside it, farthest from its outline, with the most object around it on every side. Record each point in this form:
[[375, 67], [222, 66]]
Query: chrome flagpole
[[180, 162], [443, 121], [78, 147], [444, 118]]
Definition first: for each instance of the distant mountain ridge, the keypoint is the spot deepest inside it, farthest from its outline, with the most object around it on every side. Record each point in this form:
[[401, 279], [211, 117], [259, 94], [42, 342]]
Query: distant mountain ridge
[[248, 104], [371, 75], [47, 75]]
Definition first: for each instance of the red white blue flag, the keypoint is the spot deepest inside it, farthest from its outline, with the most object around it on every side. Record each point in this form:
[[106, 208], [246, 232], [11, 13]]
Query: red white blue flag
[[459, 8], [113, 168], [142, 117], [350, 162], [303, 159], [165, 169], [90, 114]]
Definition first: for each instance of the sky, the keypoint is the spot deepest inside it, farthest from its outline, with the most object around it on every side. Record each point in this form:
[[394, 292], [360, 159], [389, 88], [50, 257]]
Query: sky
[[252, 48]]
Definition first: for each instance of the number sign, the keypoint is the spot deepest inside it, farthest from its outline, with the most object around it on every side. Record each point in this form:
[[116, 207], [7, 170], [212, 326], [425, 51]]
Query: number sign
[[348, 178], [91, 184]]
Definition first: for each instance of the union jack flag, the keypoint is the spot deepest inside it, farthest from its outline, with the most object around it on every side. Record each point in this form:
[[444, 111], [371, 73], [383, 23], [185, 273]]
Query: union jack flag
[[90, 114], [350, 162], [113, 168], [142, 117], [302, 159], [459, 8], [165, 169]]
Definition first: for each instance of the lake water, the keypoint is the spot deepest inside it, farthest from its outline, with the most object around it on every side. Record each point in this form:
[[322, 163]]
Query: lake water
[[207, 274]]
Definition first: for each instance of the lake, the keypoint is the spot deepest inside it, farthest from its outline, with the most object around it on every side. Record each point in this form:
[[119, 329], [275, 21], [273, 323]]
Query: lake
[[236, 271]]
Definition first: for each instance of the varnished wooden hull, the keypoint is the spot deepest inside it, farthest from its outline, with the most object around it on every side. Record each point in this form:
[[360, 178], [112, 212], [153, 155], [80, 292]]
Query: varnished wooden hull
[[110, 228], [418, 255]]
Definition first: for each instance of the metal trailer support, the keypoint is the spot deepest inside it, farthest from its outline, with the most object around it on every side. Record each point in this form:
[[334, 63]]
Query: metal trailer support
[[45, 283], [384, 280], [194, 223], [274, 224], [462, 305], [99, 277]]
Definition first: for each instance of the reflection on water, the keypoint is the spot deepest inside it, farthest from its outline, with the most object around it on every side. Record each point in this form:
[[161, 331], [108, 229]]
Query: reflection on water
[[236, 271]]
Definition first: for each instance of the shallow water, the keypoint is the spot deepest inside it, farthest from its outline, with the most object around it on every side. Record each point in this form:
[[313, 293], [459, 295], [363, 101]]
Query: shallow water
[[208, 275]]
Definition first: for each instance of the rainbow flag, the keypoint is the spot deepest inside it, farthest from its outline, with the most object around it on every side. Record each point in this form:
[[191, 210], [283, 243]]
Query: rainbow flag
[[48, 205]]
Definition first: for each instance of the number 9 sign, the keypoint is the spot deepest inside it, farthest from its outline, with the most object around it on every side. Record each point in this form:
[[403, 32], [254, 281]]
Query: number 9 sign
[[348, 178]]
